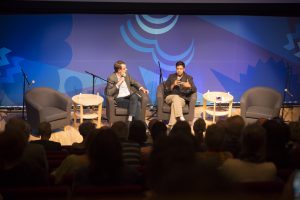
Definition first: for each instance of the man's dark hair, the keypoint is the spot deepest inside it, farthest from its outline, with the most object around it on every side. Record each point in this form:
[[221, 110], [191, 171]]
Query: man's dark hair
[[86, 128], [199, 126], [45, 130], [118, 64], [180, 63]]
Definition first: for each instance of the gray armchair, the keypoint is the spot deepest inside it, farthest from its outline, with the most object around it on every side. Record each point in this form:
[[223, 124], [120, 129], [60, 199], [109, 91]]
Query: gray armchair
[[47, 105], [115, 113], [260, 102], [164, 110]]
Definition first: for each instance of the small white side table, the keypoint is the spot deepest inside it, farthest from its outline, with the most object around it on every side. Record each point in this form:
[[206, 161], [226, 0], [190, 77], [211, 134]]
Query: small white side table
[[87, 100], [217, 97]]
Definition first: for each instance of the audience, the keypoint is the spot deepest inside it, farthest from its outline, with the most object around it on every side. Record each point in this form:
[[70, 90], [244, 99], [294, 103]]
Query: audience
[[84, 129], [157, 130], [252, 165], [277, 140], [106, 166], [33, 152], [73, 162], [199, 128], [234, 126], [45, 131], [14, 169], [214, 141], [131, 151]]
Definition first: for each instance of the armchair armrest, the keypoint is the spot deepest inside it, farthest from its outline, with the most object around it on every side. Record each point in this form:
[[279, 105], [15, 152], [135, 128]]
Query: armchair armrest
[[63, 102], [160, 99], [192, 103], [110, 104]]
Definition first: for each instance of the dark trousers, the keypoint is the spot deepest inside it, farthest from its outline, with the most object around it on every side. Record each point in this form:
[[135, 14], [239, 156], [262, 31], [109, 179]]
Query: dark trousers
[[133, 104]]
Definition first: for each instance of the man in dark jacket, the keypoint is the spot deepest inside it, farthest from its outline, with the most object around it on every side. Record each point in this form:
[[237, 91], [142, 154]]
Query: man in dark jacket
[[178, 88]]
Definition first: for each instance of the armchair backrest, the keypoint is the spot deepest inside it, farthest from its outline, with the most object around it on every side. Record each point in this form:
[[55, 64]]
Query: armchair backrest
[[262, 96], [46, 97]]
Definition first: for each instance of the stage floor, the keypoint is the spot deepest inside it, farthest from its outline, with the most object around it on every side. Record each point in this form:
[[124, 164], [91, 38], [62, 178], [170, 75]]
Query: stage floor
[[70, 133]]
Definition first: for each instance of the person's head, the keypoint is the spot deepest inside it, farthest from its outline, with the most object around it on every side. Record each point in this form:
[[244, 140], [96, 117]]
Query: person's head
[[199, 126], [157, 130], [120, 67], [181, 127], [45, 130], [86, 128], [180, 68], [12, 146], [105, 156], [235, 125], [214, 137], [121, 130], [137, 132], [253, 147], [18, 126]]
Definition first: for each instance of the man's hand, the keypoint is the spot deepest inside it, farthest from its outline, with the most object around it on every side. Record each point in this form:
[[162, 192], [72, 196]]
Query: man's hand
[[121, 80], [186, 84], [144, 90]]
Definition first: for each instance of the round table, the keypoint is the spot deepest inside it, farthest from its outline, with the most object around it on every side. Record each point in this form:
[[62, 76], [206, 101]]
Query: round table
[[87, 100], [217, 97]]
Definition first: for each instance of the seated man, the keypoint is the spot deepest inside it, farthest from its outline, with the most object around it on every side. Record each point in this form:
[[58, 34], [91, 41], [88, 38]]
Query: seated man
[[124, 89], [178, 88]]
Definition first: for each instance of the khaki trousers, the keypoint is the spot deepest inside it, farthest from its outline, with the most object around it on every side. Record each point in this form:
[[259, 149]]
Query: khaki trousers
[[177, 103]]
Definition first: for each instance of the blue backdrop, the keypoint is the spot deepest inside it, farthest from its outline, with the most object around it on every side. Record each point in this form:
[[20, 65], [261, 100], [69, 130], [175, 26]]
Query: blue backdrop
[[222, 53]]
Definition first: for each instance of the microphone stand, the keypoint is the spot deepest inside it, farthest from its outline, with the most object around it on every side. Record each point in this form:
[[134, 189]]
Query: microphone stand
[[95, 76], [25, 81], [286, 88]]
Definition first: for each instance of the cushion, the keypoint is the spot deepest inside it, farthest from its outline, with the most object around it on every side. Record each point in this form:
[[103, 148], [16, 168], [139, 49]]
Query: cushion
[[52, 114], [121, 111], [259, 112]]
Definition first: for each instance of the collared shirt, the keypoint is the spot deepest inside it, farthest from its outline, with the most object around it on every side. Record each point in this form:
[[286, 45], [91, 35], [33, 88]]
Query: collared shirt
[[123, 89]]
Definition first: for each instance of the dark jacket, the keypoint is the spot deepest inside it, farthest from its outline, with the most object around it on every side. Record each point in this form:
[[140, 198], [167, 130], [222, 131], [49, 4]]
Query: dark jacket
[[185, 93]]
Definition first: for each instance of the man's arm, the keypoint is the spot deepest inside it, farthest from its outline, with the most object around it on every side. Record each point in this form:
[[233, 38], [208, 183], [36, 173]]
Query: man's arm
[[111, 88], [137, 85]]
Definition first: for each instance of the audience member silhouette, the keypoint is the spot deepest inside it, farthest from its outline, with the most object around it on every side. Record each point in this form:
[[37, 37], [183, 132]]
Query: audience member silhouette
[[251, 167], [33, 152], [106, 166], [72, 163], [277, 140], [14, 170], [131, 150], [45, 132], [214, 141], [199, 128], [84, 129], [232, 141]]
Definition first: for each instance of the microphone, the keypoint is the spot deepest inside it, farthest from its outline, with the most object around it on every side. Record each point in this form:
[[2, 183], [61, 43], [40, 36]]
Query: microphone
[[32, 82], [288, 92]]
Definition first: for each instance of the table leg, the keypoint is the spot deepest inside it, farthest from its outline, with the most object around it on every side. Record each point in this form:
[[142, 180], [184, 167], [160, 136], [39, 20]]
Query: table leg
[[229, 109], [81, 114], [214, 114], [204, 108], [74, 114], [99, 115]]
